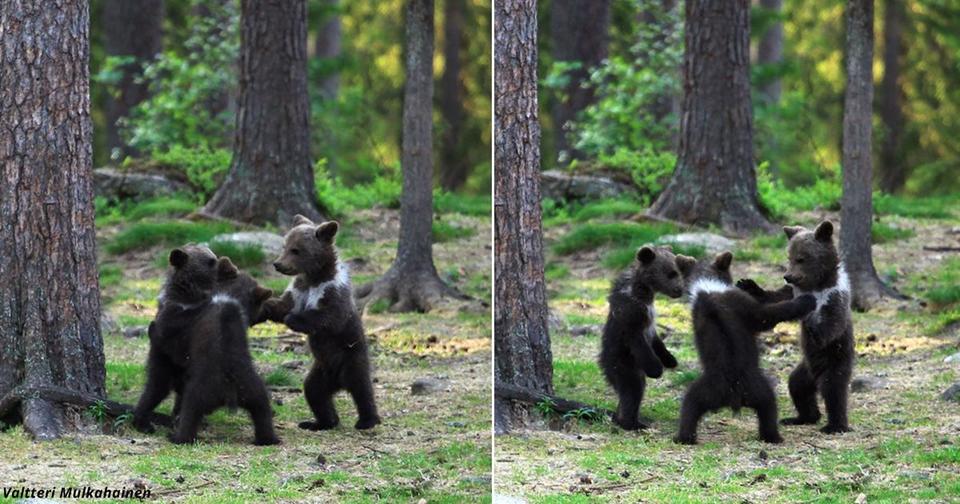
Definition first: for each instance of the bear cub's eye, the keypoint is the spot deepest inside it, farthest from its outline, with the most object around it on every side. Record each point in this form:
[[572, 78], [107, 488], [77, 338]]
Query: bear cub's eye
[[211, 262], [672, 275], [294, 251], [800, 260]]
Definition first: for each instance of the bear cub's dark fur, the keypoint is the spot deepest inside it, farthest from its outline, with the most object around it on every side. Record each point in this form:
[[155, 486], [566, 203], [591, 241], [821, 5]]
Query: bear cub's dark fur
[[826, 334], [726, 322], [319, 303], [198, 346], [631, 350]]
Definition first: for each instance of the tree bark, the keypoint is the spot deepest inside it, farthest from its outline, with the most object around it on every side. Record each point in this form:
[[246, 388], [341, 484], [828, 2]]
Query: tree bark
[[49, 297], [893, 173], [412, 283], [770, 50], [580, 33], [271, 177], [521, 336], [857, 202], [455, 167], [715, 179], [132, 28], [328, 47]]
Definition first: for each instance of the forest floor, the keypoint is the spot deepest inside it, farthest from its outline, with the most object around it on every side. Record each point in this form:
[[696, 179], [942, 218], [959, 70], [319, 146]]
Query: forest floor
[[435, 446], [906, 441]]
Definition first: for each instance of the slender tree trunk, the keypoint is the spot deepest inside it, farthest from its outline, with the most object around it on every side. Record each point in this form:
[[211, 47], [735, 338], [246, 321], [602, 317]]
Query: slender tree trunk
[[455, 167], [521, 336], [580, 33], [270, 178], [715, 179], [412, 283], [893, 173], [660, 17], [219, 13], [132, 28], [49, 297], [857, 204], [328, 47], [770, 50]]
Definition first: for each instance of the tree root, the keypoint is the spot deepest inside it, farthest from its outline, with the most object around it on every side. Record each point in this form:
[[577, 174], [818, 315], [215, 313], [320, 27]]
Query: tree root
[[39, 415], [508, 392], [406, 292]]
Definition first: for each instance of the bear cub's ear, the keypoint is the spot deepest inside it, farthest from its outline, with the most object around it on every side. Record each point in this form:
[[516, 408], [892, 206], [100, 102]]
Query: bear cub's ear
[[685, 264], [824, 231], [790, 231], [299, 220], [723, 260], [327, 231], [178, 258], [646, 255], [226, 270]]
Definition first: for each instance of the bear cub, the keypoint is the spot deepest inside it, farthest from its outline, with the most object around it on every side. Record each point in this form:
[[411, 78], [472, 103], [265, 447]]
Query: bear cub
[[319, 303], [726, 322], [630, 349], [826, 334], [198, 346]]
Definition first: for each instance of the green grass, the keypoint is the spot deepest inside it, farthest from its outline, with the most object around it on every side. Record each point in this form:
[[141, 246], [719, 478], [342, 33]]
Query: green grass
[[144, 235], [884, 233], [242, 255], [607, 208], [594, 235], [109, 213], [465, 204], [110, 275], [444, 231], [281, 377], [927, 207], [556, 271]]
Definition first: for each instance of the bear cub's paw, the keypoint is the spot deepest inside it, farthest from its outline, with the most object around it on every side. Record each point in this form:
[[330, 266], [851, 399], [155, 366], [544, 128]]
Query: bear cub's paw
[[366, 423], [311, 425], [272, 440], [750, 287], [835, 429], [774, 439], [800, 420], [685, 440]]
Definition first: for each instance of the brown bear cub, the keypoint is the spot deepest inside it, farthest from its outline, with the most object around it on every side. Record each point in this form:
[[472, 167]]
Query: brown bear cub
[[319, 303], [726, 322], [631, 350], [826, 334], [198, 346]]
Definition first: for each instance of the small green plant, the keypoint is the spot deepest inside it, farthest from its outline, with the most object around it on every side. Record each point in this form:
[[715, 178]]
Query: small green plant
[[546, 407], [121, 423], [203, 166], [607, 208], [242, 255], [379, 306], [885, 233], [281, 377], [98, 411], [586, 414]]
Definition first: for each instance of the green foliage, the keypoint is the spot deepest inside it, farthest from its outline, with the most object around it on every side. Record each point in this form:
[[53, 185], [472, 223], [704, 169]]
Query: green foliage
[[884, 233], [443, 231], [98, 411], [945, 290], [242, 255], [546, 407], [281, 377], [466, 204], [339, 198], [144, 235], [607, 208], [932, 207], [110, 274], [203, 166], [556, 271], [781, 202], [593, 235], [110, 212]]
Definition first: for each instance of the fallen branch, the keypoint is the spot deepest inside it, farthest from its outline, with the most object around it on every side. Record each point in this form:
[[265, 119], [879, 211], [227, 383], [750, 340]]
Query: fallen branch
[[67, 396], [558, 404], [941, 249]]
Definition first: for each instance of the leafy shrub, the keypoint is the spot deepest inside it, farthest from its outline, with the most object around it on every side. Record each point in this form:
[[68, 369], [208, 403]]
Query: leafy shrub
[[339, 199], [203, 166], [781, 202], [109, 212], [607, 208], [465, 204]]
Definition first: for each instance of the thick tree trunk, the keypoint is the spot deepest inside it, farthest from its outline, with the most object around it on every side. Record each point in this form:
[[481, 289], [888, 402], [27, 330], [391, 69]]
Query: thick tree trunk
[[454, 167], [412, 283], [715, 179], [893, 174], [580, 33], [770, 50], [521, 336], [328, 46], [132, 28], [270, 178], [857, 204], [49, 298]]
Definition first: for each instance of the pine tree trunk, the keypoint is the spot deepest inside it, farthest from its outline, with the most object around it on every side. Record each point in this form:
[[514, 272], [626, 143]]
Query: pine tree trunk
[[893, 173], [770, 50], [715, 179], [412, 283], [132, 28], [857, 203], [49, 297], [328, 46], [580, 33], [454, 167], [521, 336], [271, 177]]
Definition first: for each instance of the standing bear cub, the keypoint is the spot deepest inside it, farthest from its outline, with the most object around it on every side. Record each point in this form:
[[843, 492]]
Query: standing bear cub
[[631, 350], [726, 322], [319, 303], [826, 334]]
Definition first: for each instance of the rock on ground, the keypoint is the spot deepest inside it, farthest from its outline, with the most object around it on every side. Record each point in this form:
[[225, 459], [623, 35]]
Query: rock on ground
[[867, 383], [270, 243], [952, 358], [713, 243], [562, 186], [116, 184], [424, 386], [952, 393]]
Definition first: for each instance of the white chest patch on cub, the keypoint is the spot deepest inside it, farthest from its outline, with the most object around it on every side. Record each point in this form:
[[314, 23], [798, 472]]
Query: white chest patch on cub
[[706, 286], [650, 331], [842, 288], [309, 298]]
